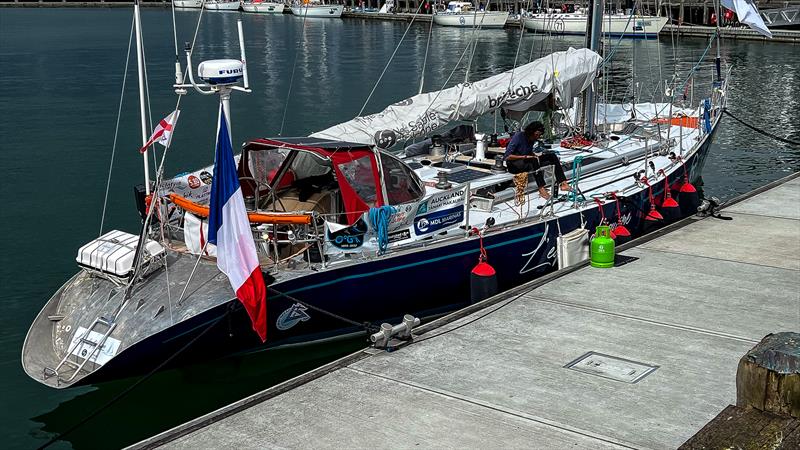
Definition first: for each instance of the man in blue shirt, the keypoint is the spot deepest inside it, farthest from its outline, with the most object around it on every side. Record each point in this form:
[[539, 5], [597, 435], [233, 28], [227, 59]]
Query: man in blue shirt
[[526, 153]]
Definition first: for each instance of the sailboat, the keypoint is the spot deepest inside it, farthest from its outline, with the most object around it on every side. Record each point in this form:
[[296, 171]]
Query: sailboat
[[631, 24], [259, 6], [188, 3], [465, 15], [222, 5], [317, 8], [350, 234]]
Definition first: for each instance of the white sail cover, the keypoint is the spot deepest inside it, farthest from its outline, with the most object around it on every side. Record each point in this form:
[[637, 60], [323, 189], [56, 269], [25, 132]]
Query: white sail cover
[[564, 74]]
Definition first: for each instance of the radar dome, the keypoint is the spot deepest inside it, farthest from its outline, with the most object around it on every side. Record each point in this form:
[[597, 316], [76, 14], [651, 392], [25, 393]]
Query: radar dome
[[221, 71]]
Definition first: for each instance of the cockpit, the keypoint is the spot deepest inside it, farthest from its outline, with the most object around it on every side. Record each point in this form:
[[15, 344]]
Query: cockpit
[[337, 180]]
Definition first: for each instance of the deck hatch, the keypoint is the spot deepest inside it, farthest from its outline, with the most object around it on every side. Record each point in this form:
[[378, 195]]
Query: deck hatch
[[612, 367]]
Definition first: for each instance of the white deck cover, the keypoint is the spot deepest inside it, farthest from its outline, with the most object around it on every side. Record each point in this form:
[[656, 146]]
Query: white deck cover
[[566, 74]]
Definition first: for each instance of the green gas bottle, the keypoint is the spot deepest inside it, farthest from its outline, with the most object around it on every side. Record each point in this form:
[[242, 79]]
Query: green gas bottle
[[602, 248]]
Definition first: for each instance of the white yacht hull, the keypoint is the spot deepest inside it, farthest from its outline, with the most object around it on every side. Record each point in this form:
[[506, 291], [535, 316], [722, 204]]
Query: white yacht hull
[[264, 7], [487, 19], [318, 10], [188, 3], [615, 25], [222, 6]]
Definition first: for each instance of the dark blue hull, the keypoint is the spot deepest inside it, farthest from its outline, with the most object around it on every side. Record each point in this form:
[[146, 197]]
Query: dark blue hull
[[427, 282]]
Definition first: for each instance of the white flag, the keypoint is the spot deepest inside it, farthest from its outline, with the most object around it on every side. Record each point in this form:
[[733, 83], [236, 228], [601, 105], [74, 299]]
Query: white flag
[[163, 132], [747, 12]]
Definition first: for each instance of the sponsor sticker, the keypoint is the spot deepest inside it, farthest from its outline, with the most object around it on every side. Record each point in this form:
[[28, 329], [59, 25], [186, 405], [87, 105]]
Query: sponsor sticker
[[194, 182], [350, 237], [441, 200], [401, 235], [403, 216], [438, 220], [206, 178]]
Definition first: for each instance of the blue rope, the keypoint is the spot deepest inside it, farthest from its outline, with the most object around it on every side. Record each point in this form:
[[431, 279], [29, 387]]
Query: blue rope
[[573, 195], [379, 220]]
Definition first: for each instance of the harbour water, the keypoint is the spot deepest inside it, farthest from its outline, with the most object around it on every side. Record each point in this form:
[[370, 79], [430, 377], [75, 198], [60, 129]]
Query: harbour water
[[62, 70]]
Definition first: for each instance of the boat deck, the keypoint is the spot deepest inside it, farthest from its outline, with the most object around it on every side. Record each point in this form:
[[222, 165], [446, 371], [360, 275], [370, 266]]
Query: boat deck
[[678, 315]]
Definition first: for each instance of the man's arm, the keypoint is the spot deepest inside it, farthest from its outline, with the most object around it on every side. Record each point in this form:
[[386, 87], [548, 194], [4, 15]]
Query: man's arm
[[511, 152], [512, 157]]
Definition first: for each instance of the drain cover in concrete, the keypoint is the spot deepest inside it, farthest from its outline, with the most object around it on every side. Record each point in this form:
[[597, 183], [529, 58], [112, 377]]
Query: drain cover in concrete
[[607, 366]]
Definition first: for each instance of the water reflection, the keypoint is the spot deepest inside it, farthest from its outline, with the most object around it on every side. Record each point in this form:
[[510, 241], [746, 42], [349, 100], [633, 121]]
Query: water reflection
[[172, 397], [73, 61]]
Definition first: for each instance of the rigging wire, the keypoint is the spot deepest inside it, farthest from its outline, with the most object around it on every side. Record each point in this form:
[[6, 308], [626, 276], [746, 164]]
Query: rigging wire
[[291, 78], [474, 41], [160, 172], [425, 60], [533, 42], [413, 18], [452, 72], [619, 39], [116, 129], [475, 29], [519, 45]]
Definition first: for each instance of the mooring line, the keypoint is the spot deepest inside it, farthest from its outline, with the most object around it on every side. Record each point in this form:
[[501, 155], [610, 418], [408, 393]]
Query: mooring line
[[760, 130]]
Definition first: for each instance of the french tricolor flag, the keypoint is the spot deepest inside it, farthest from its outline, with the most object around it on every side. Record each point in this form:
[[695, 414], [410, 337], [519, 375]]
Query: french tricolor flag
[[229, 230]]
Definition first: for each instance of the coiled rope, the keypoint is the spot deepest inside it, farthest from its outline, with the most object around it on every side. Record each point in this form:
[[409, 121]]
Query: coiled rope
[[520, 185], [379, 220]]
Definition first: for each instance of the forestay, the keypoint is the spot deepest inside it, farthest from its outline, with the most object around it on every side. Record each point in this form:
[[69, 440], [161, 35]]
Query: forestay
[[563, 74]]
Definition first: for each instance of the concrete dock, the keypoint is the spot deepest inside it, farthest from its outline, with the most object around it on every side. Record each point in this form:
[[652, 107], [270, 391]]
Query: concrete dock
[[661, 335], [743, 33]]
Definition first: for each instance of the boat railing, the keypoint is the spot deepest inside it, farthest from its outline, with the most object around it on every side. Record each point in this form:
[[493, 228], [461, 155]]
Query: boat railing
[[94, 349]]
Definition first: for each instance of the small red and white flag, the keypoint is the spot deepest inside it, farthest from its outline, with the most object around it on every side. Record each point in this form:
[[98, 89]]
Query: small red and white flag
[[163, 132]]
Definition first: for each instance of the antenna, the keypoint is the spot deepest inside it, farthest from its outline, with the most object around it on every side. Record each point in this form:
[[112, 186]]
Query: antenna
[[219, 76]]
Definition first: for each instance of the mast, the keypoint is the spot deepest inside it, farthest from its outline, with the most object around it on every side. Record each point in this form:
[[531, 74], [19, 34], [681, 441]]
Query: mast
[[594, 27], [717, 59], [143, 110], [137, 257]]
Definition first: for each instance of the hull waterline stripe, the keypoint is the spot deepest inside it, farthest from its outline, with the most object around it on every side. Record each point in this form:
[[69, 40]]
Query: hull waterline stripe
[[377, 272], [414, 264]]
